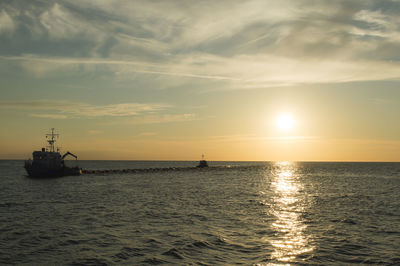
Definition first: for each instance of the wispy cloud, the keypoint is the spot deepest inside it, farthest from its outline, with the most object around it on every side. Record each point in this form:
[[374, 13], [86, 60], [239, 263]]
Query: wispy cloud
[[145, 134], [122, 114], [250, 138], [154, 119], [7, 24], [251, 71], [94, 132], [43, 65], [244, 44], [61, 24], [67, 109], [51, 116]]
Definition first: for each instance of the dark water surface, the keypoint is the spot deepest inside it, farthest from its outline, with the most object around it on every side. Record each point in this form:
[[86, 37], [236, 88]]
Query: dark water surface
[[266, 214]]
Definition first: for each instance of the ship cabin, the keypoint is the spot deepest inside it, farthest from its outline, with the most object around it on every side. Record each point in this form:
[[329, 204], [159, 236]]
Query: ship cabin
[[47, 159]]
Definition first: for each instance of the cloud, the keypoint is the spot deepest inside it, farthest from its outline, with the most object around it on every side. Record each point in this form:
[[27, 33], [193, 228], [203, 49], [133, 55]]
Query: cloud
[[41, 66], [61, 24], [94, 132], [122, 114], [240, 72], [154, 119], [67, 109], [256, 138], [7, 24], [239, 44], [145, 134], [51, 116]]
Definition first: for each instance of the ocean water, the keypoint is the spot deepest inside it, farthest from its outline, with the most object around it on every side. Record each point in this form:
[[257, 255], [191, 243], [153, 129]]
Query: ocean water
[[251, 213]]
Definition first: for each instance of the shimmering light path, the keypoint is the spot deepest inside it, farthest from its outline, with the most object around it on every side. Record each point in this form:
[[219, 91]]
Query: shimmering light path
[[290, 239]]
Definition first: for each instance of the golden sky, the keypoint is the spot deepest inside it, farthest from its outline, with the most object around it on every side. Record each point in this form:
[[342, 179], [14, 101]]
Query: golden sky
[[236, 80]]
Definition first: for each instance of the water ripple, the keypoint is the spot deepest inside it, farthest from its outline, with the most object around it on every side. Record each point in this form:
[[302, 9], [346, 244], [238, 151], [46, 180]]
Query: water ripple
[[268, 214]]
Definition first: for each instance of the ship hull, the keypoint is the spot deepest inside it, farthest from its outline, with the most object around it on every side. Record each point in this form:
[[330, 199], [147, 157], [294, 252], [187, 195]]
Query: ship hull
[[202, 164], [38, 172]]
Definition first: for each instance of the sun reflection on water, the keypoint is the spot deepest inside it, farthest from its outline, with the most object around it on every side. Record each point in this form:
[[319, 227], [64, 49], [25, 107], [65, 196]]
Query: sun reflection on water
[[290, 239]]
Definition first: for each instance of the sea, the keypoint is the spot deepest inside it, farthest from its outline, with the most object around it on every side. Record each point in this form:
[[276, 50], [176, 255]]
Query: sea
[[249, 213]]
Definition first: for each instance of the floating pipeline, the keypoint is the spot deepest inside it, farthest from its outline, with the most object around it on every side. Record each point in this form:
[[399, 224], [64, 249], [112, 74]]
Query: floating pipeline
[[159, 170], [143, 170]]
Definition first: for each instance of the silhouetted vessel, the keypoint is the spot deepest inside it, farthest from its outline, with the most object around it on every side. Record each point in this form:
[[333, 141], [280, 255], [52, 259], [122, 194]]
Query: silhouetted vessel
[[50, 163], [202, 163]]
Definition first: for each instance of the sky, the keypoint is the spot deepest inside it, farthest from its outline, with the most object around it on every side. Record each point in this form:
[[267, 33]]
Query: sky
[[172, 80]]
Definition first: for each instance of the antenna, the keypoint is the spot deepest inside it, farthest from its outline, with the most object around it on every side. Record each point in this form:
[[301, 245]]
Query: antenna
[[51, 139]]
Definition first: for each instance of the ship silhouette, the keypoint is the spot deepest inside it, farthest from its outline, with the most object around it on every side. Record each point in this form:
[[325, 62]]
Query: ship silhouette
[[203, 162], [49, 162]]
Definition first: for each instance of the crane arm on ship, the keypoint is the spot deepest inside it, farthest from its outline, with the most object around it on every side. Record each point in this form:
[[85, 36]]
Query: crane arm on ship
[[68, 153]]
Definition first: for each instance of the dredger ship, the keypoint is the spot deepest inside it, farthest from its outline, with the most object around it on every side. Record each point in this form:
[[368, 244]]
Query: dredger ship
[[49, 162]]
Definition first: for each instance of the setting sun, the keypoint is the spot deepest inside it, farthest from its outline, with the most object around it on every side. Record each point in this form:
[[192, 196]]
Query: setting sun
[[285, 122]]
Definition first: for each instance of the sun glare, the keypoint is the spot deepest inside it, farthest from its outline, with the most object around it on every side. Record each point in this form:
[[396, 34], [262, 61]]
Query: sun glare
[[285, 122]]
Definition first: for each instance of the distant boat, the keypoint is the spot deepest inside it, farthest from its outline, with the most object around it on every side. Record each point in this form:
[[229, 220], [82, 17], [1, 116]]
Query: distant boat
[[203, 163], [50, 163]]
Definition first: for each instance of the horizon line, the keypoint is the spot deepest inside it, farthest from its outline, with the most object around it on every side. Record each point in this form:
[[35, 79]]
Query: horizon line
[[244, 161]]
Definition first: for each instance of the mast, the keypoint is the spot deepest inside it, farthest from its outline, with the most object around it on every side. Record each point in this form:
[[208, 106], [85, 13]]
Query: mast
[[51, 139]]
